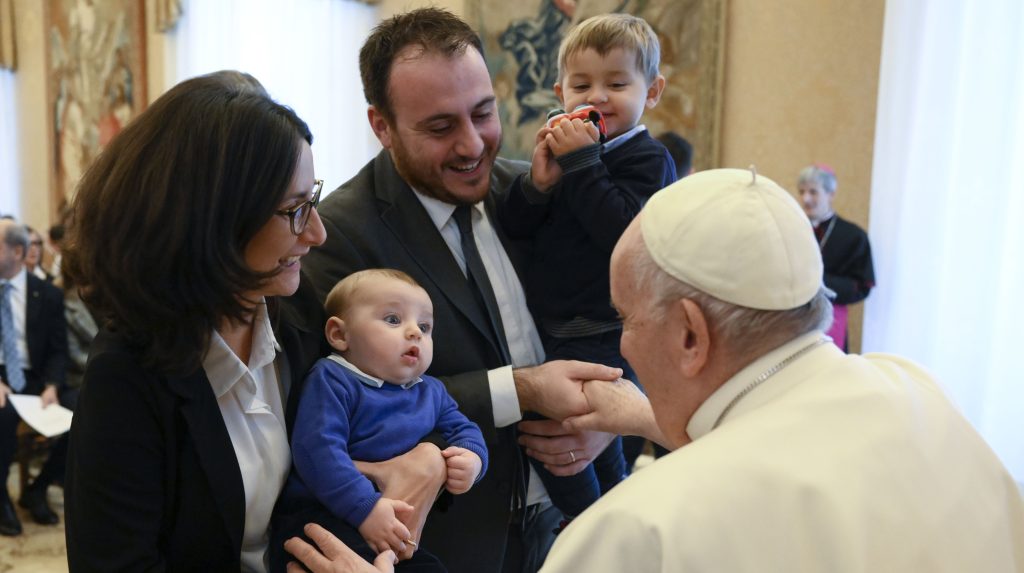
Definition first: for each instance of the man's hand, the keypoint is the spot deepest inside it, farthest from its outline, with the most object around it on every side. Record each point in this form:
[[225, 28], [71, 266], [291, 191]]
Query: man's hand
[[463, 468], [544, 170], [333, 556], [618, 407], [414, 477], [49, 395], [4, 391], [569, 135], [555, 389], [383, 530], [563, 452]]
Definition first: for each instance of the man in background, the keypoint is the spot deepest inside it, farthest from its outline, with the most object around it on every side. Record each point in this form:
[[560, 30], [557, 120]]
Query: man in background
[[34, 346]]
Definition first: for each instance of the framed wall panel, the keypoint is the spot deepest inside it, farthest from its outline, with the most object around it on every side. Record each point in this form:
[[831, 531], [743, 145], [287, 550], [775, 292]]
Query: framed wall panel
[[96, 81]]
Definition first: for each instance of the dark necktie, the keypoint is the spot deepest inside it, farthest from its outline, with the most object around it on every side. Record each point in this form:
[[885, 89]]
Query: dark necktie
[[476, 274], [480, 284], [12, 360]]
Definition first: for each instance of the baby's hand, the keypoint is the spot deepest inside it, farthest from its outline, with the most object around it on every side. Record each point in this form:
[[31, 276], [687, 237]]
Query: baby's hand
[[463, 468], [382, 529], [569, 135]]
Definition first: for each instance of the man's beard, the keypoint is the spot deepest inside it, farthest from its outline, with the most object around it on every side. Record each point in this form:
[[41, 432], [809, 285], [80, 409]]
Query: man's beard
[[423, 179]]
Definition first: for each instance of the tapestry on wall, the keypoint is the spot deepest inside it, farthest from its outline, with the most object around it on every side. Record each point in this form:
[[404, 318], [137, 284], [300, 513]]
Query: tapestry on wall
[[96, 80], [521, 42]]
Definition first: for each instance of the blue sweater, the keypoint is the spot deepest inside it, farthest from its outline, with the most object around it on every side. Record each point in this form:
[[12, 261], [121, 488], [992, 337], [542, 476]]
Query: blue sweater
[[575, 227], [342, 418]]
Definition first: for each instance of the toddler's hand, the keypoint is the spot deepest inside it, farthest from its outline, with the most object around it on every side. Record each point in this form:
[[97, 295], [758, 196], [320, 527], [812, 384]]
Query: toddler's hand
[[463, 468], [567, 136], [544, 170], [382, 529]]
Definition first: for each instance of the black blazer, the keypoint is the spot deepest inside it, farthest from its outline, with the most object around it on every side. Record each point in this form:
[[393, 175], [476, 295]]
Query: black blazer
[[374, 220], [46, 335], [153, 483]]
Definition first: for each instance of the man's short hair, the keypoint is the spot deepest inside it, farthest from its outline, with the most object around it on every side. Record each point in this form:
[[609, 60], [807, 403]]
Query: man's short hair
[[606, 32], [340, 298], [434, 30], [16, 235], [742, 331], [820, 174]]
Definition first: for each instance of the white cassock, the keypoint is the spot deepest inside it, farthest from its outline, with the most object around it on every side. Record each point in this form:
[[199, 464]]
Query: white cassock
[[834, 464]]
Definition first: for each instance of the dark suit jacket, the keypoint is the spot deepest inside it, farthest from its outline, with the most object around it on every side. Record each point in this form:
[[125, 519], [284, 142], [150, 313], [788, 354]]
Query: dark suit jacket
[[846, 254], [374, 220], [46, 335], [153, 483]]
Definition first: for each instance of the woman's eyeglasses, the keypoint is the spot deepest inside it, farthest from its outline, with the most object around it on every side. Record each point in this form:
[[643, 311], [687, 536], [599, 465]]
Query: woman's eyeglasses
[[299, 215]]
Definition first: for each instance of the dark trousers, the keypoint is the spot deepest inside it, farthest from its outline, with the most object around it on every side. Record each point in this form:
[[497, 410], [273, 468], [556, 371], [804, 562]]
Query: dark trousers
[[530, 536], [9, 428], [56, 462], [289, 521], [573, 494]]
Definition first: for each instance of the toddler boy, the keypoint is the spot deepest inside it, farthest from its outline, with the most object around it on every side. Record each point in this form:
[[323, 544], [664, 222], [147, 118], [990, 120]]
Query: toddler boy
[[576, 201]]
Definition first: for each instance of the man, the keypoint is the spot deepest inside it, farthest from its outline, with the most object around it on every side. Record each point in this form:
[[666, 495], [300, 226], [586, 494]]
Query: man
[[34, 354], [797, 457], [845, 249], [425, 205]]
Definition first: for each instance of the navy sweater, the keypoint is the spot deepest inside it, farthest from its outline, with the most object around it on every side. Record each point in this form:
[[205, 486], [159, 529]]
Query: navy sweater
[[576, 226]]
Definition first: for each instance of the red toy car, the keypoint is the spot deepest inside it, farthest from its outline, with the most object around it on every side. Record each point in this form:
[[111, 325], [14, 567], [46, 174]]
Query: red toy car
[[587, 113]]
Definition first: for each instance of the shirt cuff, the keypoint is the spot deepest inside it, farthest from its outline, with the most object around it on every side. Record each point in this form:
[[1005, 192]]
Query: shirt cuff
[[504, 400]]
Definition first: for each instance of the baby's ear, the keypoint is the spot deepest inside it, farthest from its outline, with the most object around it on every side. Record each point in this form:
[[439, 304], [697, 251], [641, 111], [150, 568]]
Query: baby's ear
[[337, 334]]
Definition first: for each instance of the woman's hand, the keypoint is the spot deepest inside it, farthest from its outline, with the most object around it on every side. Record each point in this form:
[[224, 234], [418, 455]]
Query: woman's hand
[[414, 477], [332, 556]]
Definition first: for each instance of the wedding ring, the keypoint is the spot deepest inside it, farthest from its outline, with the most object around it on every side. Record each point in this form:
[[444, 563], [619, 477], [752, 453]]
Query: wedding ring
[[573, 456], [411, 542]]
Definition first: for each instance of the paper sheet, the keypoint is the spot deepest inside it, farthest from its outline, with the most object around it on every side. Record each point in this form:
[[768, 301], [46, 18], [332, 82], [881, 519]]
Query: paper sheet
[[50, 421]]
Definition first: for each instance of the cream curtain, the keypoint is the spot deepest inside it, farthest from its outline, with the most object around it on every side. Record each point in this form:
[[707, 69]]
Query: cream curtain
[[8, 52], [306, 56], [947, 202]]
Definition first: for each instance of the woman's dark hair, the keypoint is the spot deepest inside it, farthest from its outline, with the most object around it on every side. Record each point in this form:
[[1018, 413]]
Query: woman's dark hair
[[162, 218]]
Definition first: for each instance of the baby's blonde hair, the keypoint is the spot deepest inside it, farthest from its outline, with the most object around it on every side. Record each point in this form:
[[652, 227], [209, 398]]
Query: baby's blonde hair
[[340, 297], [606, 32]]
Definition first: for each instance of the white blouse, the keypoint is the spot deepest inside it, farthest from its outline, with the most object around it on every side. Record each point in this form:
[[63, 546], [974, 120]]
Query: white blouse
[[250, 399]]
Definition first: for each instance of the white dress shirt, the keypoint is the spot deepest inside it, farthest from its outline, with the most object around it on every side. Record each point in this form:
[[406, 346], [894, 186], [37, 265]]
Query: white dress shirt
[[524, 343], [250, 399]]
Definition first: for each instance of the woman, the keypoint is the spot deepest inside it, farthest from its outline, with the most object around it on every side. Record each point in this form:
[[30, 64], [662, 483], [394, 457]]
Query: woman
[[185, 228], [34, 256]]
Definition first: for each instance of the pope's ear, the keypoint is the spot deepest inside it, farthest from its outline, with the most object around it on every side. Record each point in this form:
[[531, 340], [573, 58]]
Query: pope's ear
[[336, 333], [694, 337]]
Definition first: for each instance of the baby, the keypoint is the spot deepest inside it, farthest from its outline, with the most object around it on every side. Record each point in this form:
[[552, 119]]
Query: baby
[[370, 401]]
